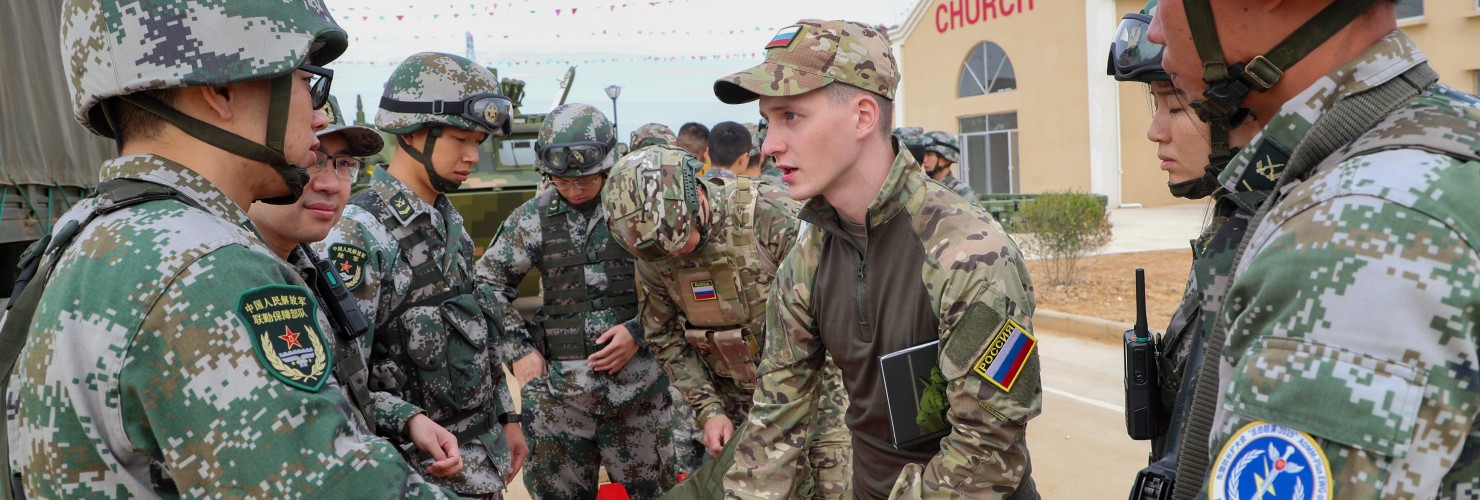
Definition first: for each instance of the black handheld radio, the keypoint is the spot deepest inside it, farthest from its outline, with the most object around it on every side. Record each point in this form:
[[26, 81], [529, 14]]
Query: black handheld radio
[[1142, 408], [343, 310]]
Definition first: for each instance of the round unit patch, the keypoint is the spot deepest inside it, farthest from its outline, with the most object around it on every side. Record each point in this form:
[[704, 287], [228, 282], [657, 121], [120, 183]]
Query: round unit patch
[[1270, 461]]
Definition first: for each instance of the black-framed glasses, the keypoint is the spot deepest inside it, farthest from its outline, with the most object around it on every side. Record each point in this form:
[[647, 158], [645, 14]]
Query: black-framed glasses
[[489, 110], [318, 87], [1132, 56], [582, 184], [345, 166], [578, 156]]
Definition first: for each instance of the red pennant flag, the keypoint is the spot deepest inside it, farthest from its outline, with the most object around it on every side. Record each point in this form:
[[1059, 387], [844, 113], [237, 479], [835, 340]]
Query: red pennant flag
[[400, 17], [572, 11], [557, 12]]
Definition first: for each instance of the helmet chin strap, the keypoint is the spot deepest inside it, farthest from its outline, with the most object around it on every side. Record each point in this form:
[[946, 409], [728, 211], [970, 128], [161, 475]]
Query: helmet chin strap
[[1229, 86], [272, 154], [439, 183], [1207, 184]]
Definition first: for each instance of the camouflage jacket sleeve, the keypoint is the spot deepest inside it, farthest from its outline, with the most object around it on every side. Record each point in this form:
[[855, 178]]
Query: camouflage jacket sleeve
[[225, 428], [1357, 293], [513, 252], [376, 291], [772, 452], [775, 224], [983, 297], [663, 323]]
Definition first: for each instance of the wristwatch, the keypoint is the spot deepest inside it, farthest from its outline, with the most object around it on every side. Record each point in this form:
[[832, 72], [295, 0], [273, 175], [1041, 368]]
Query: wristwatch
[[509, 418]]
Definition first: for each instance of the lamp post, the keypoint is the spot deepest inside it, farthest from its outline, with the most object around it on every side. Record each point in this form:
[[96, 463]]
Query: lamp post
[[613, 91]]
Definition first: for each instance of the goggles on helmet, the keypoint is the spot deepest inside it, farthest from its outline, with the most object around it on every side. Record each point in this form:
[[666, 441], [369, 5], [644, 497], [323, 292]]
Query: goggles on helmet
[[1132, 56], [318, 87], [489, 110], [572, 156]]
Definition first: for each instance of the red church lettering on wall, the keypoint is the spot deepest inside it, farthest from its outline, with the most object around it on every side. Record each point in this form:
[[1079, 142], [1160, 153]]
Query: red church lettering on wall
[[961, 13]]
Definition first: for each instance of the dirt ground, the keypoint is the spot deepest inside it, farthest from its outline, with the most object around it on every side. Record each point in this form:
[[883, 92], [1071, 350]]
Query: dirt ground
[[1106, 286]]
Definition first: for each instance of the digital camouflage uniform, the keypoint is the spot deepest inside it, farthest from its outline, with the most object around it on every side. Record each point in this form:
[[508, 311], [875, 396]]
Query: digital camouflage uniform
[[170, 340], [652, 133], [409, 264], [769, 171], [581, 419], [690, 301], [925, 265], [1351, 317], [945, 144]]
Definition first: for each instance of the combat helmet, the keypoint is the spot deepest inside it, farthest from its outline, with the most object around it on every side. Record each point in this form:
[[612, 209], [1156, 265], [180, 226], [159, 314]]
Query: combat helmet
[[944, 144], [652, 201], [121, 51], [434, 90], [576, 140], [755, 139], [652, 133], [913, 139]]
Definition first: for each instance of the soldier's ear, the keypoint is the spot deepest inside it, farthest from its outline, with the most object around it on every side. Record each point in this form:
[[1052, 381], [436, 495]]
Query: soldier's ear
[[218, 99]]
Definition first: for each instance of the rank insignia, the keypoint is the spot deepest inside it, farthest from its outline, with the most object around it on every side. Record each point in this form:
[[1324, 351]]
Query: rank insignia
[[703, 290], [402, 206], [1007, 352], [282, 323], [1265, 460], [349, 260]]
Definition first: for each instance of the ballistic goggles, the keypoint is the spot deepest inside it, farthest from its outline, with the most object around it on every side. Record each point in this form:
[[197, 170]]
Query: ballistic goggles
[[489, 110], [572, 159], [1132, 56]]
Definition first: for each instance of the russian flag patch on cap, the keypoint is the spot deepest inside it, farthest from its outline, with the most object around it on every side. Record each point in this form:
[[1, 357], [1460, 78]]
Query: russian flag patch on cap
[[1005, 355], [784, 37]]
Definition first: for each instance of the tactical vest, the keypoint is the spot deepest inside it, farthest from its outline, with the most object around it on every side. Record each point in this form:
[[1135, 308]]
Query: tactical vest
[[567, 296], [444, 335], [717, 301]]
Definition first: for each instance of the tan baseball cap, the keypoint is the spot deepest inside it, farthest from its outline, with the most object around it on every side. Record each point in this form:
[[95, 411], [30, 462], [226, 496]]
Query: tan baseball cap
[[809, 55], [362, 140]]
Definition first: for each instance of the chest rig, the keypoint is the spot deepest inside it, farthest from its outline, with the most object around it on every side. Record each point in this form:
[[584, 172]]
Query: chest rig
[[719, 288], [568, 298], [440, 338]]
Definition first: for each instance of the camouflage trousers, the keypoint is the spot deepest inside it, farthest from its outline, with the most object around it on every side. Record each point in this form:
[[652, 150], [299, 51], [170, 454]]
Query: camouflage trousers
[[688, 439], [830, 450], [568, 445]]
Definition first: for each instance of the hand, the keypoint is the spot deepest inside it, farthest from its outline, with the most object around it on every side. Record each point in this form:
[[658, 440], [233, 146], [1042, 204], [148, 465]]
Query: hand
[[518, 449], [529, 367], [717, 432], [434, 440], [620, 347]]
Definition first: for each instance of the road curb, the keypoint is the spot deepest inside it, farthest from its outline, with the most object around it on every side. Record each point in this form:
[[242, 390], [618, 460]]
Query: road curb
[[1079, 325]]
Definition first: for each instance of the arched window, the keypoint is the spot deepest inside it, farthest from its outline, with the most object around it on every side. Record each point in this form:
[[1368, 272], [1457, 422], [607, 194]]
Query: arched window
[[985, 71]]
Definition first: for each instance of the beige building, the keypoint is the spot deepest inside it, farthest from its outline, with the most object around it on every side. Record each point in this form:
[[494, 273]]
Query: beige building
[[1023, 83]]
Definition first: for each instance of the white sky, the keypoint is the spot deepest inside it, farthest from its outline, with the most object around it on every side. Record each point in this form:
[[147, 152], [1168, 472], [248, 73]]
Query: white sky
[[607, 41]]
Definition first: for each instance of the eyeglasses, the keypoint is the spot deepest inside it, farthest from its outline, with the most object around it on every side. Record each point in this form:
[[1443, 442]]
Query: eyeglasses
[[488, 110], [582, 184], [346, 167], [578, 156], [318, 87]]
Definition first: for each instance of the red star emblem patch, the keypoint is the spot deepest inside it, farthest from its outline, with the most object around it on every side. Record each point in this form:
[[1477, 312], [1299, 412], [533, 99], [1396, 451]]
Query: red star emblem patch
[[291, 338]]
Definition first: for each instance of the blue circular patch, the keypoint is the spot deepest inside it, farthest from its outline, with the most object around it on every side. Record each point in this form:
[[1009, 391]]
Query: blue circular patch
[[1270, 461]]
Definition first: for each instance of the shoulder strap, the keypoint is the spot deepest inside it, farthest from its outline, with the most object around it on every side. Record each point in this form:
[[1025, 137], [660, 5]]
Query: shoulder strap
[[114, 195], [1346, 121]]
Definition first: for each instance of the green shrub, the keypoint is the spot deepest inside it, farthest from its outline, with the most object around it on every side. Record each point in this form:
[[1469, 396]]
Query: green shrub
[[1066, 226]]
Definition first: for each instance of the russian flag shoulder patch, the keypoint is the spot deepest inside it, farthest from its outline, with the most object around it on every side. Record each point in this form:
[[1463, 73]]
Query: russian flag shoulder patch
[[1006, 354], [784, 37], [703, 290]]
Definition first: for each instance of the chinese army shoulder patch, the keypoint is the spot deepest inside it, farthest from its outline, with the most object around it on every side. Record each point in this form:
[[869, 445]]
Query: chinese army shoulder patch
[[281, 320], [349, 261], [1006, 354]]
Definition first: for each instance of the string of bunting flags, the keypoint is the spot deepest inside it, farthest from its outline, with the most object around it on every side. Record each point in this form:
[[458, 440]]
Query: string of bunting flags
[[425, 12], [582, 60]]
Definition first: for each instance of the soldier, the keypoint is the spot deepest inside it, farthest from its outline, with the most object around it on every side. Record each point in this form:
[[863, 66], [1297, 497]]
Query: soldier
[[170, 351], [604, 398], [707, 252], [1192, 164], [769, 172], [652, 133], [941, 151], [729, 146], [403, 252], [887, 262], [1312, 386]]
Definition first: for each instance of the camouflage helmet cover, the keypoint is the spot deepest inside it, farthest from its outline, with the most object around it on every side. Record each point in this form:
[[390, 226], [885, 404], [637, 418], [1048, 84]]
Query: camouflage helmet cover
[[810, 55], [652, 202], [576, 123], [433, 76], [911, 136], [942, 143], [652, 133], [755, 139], [117, 48]]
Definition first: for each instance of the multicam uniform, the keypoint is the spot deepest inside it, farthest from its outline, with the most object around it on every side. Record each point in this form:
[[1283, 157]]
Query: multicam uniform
[[845, 291], [234, 398], [581, 418], [704, 312], [1351, 318]]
